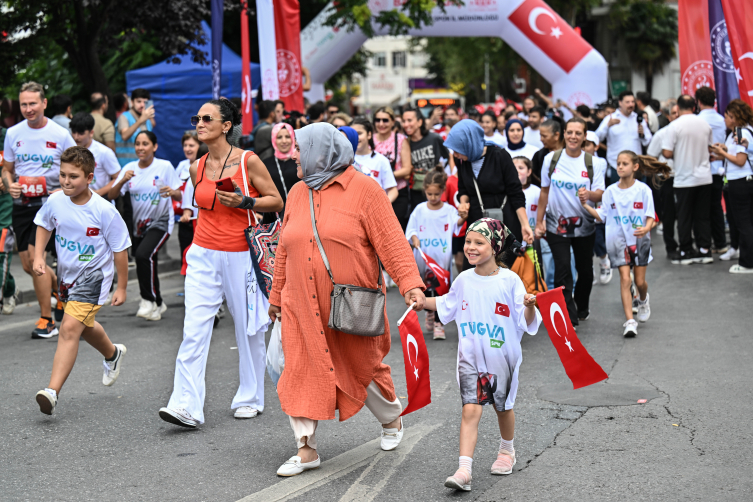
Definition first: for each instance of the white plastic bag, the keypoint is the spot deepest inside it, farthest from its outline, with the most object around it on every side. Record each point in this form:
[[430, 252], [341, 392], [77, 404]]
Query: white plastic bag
[[275, 357]]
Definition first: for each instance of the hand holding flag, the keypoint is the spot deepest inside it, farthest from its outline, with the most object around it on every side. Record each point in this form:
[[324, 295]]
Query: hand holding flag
[[442, 275]]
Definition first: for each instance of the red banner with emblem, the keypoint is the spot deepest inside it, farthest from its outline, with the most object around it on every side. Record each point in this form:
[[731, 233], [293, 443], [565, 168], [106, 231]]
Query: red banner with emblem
[[738, 16], [288, 39], [695, 48]]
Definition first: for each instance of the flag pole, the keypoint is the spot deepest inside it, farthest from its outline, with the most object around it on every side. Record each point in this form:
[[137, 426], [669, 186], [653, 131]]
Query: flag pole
[[400, 321]]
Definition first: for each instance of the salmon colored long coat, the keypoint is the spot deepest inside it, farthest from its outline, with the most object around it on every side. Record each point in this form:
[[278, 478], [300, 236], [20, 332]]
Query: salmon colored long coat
[[327, 370]]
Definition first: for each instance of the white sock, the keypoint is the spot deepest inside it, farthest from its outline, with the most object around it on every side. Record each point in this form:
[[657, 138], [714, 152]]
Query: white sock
[[703, 250], [466, 463], [604, 262], [52, 391], [504, 444]]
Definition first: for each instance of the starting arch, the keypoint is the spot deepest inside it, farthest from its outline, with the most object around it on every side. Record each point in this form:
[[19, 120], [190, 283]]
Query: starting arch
[[577, 72]]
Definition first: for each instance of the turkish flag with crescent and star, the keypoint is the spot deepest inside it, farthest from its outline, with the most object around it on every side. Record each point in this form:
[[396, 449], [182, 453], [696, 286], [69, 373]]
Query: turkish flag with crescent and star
[[738, 15], [416, 358], [580, 367], [442, 275], [550, 33]]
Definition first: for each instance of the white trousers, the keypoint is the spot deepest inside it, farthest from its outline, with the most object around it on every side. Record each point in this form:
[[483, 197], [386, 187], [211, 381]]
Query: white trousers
[[384, 411], [210, 276]]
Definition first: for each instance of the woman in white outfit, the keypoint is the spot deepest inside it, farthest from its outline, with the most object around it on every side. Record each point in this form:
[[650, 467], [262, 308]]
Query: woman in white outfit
[[219, 265]]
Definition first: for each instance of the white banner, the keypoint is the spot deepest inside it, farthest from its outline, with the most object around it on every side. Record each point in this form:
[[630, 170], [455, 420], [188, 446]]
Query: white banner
[[265, 22]]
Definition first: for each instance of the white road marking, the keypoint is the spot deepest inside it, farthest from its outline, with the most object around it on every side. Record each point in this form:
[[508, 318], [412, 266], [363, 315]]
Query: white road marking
[[340, 466]]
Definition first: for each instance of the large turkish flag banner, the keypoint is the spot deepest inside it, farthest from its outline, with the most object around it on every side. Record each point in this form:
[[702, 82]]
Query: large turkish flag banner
[[288, 40], [580, 367], [695, 48], [550, 33], [416, 358], [738, 15]]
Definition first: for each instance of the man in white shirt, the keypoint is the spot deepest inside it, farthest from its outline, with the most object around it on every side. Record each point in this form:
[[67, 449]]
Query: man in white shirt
[[622, 131], [687, 143], [643, 104], [706, 98], [666, 204], [532, 134]]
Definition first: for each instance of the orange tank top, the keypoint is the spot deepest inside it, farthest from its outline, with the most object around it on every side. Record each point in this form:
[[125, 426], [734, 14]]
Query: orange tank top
[[221, 228]]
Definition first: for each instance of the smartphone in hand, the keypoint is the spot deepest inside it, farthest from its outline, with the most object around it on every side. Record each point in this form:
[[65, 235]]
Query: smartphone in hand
[[225, 185], [148, 104]]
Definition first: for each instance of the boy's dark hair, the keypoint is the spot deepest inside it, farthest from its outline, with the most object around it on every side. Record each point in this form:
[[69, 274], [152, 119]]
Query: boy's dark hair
[[584, 111], [81, 123], [119, 100], [644, 98], [706, 96], [60, 103], [316, 111], [537, 109], [141, 93], [266, 108], [79, 157]]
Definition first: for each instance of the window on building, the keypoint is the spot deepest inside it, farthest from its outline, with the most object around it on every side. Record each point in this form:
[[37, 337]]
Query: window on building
[[398, 59], [380, 59]]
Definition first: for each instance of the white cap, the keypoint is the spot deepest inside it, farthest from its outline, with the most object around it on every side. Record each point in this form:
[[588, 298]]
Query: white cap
[[592, 137]]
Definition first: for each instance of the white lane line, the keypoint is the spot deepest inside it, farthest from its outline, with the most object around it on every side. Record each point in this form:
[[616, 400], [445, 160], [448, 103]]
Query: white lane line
[[334, 468]]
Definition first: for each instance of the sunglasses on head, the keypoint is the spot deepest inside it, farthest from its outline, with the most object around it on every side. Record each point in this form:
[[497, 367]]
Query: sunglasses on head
[[202, 118], [378, 120]]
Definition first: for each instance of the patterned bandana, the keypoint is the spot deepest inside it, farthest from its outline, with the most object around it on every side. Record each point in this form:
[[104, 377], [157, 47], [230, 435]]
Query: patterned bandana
[[493, 231]]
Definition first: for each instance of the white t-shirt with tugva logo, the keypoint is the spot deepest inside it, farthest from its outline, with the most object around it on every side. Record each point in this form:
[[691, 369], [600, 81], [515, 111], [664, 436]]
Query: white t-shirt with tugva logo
[[106, 165], [565, 215], [150, 210], [623, 210], [490, 318], [36, 154], [85, 239], [377, 167], [532, 203], [434, 228]]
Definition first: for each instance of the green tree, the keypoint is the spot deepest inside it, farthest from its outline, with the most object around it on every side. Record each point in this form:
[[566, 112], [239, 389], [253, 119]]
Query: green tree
[[649, 29]]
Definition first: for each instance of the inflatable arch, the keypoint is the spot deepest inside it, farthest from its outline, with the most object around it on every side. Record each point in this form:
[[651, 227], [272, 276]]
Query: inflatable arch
[[577, 72]]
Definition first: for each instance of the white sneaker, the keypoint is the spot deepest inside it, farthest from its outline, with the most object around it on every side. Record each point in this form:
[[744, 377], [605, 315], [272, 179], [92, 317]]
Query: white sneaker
[[631, 329], [145, 308], [739, 269], [112, 368], [392, 437], [9, 305], [294, 466], [606, 274], [47, 399], [156, 313], [644, 310], [245, 412], [731, 254], [660, 229], [178, 417]]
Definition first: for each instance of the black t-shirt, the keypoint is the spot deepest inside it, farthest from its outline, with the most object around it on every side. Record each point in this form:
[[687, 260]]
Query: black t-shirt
[[425, 155], [289, 175]]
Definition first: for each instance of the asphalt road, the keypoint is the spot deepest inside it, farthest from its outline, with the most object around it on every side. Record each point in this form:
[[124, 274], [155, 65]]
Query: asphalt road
[[690, 441]]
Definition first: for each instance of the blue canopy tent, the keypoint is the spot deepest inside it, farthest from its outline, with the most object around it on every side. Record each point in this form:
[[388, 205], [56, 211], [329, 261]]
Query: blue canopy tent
[[179, 90]]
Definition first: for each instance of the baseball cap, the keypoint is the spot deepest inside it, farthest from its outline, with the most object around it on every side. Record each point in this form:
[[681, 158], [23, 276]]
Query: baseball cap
[[592, 137]]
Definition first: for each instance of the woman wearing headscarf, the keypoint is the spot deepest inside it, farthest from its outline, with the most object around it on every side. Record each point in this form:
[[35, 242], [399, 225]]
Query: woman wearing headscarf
[[485, 165], [328, 370], [282, 168], [516, 147]]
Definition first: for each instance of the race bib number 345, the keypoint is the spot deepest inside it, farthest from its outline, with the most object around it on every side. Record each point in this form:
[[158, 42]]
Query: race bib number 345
[[33, 186]]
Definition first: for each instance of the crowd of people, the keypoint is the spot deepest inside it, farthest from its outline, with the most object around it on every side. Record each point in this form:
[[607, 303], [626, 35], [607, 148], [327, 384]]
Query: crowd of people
[[470, 191]]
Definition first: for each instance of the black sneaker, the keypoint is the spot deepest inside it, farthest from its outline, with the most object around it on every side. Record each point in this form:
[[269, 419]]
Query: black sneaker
[[704, 258], [689, 257], [674, 257], [44, 329], [583, 316]]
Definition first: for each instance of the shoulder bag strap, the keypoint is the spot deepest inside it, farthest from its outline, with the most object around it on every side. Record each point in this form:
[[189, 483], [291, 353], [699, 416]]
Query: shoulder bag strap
[[316, 236], [243, 167], [282, 180], [394, 162], [553, 162], [481, 202], [589, 167]]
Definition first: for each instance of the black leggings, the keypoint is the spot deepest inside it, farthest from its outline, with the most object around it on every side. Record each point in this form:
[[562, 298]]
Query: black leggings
[[583, 248], [402, 208], [146, 249]]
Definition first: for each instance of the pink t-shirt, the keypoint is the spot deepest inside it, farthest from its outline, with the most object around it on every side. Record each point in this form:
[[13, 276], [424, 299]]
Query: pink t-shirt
[[387, 148]]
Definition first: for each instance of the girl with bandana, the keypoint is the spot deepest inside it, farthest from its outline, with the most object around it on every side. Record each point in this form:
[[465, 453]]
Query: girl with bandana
[[492, 310]]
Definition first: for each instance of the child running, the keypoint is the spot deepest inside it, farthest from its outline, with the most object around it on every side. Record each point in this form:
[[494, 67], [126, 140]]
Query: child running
[[430, 228], [627, 209], [492, 310], [90, 236]]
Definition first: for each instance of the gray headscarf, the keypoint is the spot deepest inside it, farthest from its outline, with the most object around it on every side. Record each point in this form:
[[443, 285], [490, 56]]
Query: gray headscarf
[[325, 153]]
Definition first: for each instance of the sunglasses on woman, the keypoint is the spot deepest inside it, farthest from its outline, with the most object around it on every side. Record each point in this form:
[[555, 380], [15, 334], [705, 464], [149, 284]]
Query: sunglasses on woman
[[202, 118], [378, 120]]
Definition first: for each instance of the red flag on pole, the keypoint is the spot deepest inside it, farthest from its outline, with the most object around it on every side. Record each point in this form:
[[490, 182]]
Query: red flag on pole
[[442, 285], [580, 367], [695, 48], [738, 15], [416, 358], [288, 40], [248, 110]]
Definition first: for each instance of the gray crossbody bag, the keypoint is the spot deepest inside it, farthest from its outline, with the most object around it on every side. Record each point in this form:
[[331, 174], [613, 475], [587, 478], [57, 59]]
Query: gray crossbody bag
[[355, 310], [494, 213]]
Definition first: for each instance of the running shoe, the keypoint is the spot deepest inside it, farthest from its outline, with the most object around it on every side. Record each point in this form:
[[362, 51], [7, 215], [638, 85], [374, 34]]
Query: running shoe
[[739, 269], [145, 308], [703, 258], [674, 257], [631, 329], [644, 310], [59, 310], [47, 399], [461, 480], [606, 274], [156, 314], [112, 368], [504, 463], [9, 303], [44, 329], [245, 412], [178, 417], [438, 331], [720, 250], [731, 254], [583, 316], [660, 229]]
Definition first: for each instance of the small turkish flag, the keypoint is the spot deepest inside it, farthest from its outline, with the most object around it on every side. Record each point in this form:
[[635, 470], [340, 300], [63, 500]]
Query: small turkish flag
[[580, 367], [52, 144], [637, 205], [502, 309], [416, 358], [442, 275], [92, 232]]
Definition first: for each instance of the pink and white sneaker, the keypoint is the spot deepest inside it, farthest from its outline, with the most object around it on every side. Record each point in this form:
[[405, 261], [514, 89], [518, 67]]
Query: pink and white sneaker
[[504, 463], [461, 480], [438, 331]]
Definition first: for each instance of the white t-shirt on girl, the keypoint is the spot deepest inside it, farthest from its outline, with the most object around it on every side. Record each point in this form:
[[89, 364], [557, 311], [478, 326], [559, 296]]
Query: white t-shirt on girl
[[532, 203], [735, 172], [565, 215], [150, 210], [528, 151], [623, 210], [490, 317], [183, 172], [85, 238], [106, 164], [378, 167], [434, 228]]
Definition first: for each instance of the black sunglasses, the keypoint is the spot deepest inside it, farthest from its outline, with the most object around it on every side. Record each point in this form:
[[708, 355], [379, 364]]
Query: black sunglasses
[[376, 121], [202, 118]]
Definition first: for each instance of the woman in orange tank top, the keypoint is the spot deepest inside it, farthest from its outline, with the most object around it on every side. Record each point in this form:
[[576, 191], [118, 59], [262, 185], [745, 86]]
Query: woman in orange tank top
[[219, 265]]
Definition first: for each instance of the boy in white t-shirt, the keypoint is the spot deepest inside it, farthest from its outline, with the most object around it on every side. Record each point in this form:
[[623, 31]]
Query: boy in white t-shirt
[[106, 165], [91, 241]]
